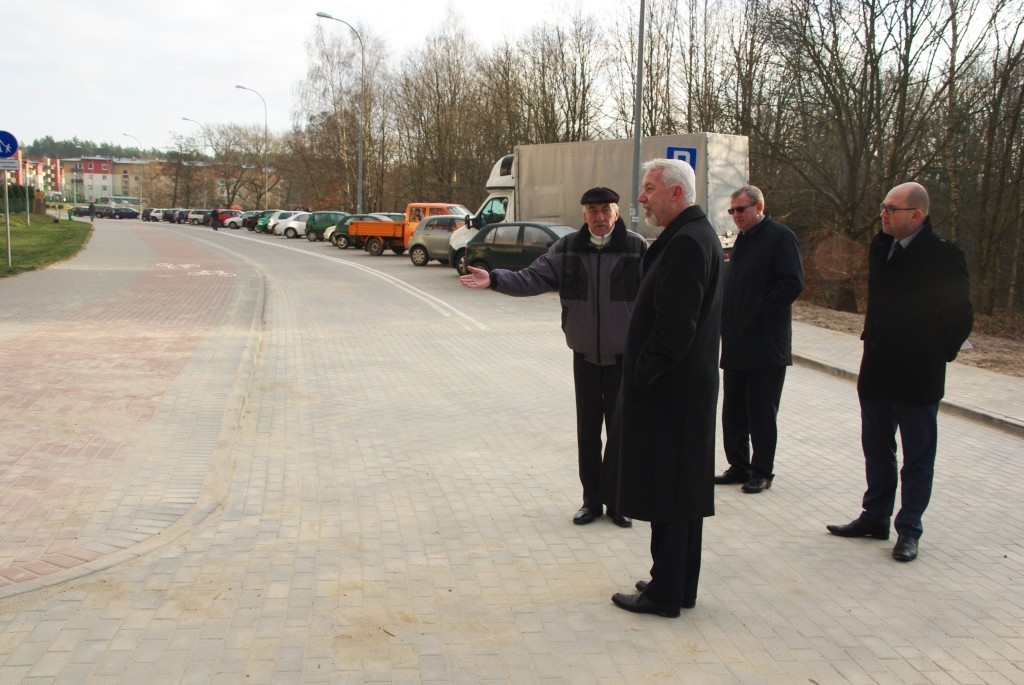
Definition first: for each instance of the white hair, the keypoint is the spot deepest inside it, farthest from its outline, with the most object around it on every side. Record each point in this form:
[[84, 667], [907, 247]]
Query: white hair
[[675, 172]]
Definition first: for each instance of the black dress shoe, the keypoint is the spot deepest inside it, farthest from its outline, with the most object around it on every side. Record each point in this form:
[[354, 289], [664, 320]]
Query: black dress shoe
[[585, 515], [620, 520], [639, 604], [756, 484], [641, 585], [859, 528], [905, 549], [731, 477]]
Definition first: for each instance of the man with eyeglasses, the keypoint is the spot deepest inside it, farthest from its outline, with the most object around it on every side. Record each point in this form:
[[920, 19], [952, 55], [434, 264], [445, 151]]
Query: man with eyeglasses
[[764, 278], [918, 315]]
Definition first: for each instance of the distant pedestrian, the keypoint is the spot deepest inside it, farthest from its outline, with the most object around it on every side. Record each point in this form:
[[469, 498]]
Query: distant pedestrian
[[92, 212], [919, 314], [764, 277], [214, 219]]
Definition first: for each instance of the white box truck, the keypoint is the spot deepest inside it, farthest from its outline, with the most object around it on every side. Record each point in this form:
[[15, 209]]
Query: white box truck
[[545, 182]]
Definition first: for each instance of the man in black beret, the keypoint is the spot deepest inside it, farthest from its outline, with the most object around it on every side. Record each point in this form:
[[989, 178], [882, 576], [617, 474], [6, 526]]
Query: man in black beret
[[596, 272]]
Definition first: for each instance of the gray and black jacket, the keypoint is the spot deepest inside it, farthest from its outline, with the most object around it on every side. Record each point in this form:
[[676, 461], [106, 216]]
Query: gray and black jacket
[[597, 288]]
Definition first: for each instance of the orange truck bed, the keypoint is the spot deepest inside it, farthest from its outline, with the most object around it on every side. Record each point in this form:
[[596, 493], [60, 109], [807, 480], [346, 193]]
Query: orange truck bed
[[378, 236]]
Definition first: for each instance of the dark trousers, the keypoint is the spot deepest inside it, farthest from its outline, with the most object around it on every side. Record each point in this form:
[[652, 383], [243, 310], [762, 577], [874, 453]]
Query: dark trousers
[[919, 435], [750, 406], [597, 388], [675, 549]]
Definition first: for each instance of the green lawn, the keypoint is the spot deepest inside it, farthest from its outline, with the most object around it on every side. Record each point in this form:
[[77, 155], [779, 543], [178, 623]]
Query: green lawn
[[41, 244]]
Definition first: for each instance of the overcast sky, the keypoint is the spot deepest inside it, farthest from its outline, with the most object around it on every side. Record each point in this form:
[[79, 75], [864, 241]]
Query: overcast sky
[[98, 69]]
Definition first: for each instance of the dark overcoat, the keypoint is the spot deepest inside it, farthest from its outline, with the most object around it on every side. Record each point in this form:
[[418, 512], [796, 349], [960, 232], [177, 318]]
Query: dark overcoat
[[669, 392], [764, 278], [919, 314]]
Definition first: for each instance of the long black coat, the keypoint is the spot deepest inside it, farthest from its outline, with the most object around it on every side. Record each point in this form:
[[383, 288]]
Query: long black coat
[[670, 377], [765, 276], [919, 313]]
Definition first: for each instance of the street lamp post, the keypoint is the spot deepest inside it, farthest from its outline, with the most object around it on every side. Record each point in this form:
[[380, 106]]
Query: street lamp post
[[362, 91], [139, 143], [266, 144]]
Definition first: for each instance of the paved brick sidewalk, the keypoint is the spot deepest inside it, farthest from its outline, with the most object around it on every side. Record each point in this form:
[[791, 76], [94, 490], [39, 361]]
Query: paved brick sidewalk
[[979, 394], [310, 484]]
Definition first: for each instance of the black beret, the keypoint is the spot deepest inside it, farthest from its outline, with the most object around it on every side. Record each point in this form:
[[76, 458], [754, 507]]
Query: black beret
[[599, 196]]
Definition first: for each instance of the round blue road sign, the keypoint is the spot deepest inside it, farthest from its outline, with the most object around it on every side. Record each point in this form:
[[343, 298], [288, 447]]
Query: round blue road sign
[[8, 145]]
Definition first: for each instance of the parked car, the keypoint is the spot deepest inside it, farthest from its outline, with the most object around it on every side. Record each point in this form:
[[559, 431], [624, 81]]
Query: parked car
[[319, 222], [102, 211], [293, 226], [80, 211], [263, 224], [223, 215], [238, 219], [340, 238], [512, 245], [431, 239], [250, 221], [276, 219], [457, 247], [124, 213], [198, 216], [147, 213], [259, 221]]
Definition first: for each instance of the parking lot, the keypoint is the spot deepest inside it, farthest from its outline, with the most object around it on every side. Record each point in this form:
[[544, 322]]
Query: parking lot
[[231, 457]]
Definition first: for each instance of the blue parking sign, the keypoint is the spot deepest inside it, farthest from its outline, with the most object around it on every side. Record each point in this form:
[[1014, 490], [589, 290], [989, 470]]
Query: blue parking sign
[[8, 145], [686, 154]]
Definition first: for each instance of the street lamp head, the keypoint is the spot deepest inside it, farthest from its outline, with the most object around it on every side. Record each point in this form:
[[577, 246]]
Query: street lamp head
[[324, 15], [242, 87]]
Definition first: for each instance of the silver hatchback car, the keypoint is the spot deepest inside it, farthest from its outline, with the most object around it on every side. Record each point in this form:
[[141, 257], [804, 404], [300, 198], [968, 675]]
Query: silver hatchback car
[[430, 239]]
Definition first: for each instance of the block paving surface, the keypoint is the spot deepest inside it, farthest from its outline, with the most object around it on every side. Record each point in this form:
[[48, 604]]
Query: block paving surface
[[231, 458]]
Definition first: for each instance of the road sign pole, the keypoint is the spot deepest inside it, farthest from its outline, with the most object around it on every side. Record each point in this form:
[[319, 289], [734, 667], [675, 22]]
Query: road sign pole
[[8, 161], [7, 219]]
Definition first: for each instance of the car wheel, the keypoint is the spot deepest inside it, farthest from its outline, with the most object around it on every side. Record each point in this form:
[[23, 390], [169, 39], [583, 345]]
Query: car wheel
[[460, 263], [341, 242], [419, 256], [311, 236], [291, 233], [375, 246]]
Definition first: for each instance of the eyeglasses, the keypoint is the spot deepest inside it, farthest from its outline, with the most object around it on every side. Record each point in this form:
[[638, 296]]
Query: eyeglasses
[[889, 211], [733, 210]]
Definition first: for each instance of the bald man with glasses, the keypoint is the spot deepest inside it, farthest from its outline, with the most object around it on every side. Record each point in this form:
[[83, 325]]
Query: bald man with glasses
[[764, 278], [919, 314]]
